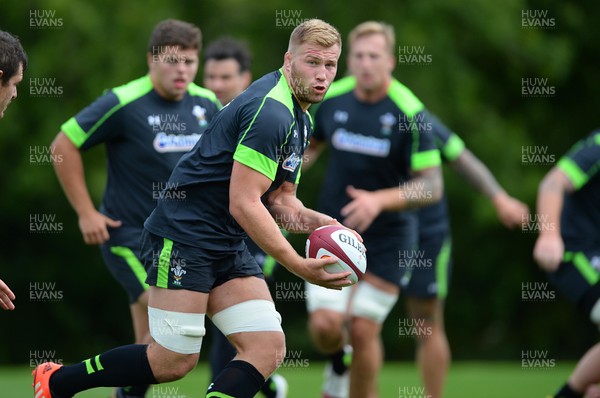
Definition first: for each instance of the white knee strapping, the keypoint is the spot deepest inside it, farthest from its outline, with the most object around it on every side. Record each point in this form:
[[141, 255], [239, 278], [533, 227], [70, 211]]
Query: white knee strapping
[[177, 331], [320, 298], [595, 313], [249, 316], [371, 303]]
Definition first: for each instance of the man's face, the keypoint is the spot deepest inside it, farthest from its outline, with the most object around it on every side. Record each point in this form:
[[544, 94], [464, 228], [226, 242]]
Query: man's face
[[172, 71], [223, 77], [370, 62], [9, 92], [311, 69]]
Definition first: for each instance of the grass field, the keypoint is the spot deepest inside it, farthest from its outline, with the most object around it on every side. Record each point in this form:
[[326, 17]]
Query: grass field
[[397, 380]]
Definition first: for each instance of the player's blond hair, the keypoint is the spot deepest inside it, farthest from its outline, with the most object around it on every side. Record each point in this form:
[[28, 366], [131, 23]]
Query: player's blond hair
[[374, 28], [314, 31]]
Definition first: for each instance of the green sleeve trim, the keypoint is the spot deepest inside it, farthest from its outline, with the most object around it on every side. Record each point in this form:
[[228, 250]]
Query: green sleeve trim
[[164, 261], [341, 87], [198, 91], [256, 160], [98, 364], [453, 147], [133, 262], [582, 263], [405, 99], [577, 176], [74, 132], [441, 268], [268, 266], [425, 160]]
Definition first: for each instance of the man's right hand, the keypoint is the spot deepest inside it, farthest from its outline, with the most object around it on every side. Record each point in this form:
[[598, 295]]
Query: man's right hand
[[311, 270], [549, 251], [94, 229]]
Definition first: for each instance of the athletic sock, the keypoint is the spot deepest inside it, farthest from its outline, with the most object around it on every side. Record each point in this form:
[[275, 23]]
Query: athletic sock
[[239, 379], [269, 389], [567, 392], [338, 363], [120, 367]]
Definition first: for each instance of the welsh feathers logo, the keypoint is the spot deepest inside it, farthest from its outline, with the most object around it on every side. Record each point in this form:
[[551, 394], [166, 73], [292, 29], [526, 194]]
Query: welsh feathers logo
[[200, 114], [178, 274]]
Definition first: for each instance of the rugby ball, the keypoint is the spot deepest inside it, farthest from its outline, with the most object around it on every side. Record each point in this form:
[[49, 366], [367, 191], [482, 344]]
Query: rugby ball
[[340, 242]]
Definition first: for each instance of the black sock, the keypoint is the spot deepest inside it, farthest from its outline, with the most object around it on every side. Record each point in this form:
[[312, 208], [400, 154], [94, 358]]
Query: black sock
[[239, 379], [567, 392], [268, 389], [337, 361], [120, 367]]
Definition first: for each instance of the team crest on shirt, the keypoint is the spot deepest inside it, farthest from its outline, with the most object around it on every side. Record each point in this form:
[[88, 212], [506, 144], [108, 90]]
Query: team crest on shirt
[[340, 116], [387, 122], [200, 114], [291, 162], [178, 273]]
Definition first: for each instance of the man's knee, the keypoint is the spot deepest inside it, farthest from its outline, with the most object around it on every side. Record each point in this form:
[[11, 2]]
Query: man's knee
[[363, 331], [326, 324]]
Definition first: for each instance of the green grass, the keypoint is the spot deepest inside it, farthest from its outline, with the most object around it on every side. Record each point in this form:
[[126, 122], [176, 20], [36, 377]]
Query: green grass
[[466, 380]]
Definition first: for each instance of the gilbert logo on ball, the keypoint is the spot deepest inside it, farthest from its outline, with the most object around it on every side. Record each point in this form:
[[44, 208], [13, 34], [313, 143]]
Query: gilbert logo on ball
[[336, 241]]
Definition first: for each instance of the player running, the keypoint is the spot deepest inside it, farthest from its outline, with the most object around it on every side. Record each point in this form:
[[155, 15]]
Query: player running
[[568, 245], [145, 125], [240, 178]]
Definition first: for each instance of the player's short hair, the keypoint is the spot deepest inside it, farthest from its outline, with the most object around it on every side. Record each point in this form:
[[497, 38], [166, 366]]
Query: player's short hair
[[173, 32], [314, 31], [374, 28], [228, 48], [11, 56]]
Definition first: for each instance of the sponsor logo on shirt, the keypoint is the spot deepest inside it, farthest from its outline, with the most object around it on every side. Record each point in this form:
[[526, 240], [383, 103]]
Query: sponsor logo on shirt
[[164, 142], [340, 116], [291, 162], [344, 140]]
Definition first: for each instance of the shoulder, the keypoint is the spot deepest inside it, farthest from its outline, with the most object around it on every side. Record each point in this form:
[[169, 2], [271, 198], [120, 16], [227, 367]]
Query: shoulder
[[404, 98], [133, 90], [197, 91]]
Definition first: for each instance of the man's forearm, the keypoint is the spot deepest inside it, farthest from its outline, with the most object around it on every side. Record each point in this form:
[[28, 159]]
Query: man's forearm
[[477, 174], [71, 176], [549, 203], [423, 190]]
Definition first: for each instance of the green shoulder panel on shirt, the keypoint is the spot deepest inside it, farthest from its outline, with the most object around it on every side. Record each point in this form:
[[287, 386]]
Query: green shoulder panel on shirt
[[340, 87], [425, 160], [405, 99], [453, 147], [198, 91], [126, 93], [577, 176], [256, 160], [282, 93], [133, 90]]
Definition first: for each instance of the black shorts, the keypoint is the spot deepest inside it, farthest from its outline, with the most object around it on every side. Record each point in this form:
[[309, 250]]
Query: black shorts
[[577, 278], [123, 263], [428, 270], [383, 254], [173, 265]]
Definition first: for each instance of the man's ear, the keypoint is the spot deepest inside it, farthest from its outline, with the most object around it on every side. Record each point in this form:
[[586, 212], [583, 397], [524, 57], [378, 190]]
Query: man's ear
[[287, 62], [247, 78]]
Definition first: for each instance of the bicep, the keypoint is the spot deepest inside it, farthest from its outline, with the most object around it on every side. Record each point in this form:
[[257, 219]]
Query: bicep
[[246, 182]]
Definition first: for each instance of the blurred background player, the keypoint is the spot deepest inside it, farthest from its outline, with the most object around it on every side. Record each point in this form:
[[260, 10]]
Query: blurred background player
[[568, 245], [426, 285], [13, 63], [146, 125], [369, 161], [425, 282], [227, 64]]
